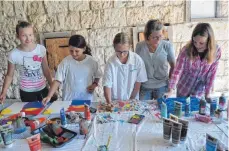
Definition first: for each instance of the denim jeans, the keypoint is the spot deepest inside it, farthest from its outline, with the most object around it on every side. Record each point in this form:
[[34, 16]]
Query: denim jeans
[[149, 94]]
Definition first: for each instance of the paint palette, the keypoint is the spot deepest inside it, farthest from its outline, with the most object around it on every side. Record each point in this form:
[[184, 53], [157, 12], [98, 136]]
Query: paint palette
[[136, 119]]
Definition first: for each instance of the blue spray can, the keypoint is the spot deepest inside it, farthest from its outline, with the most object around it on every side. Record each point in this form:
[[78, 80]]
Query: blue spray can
[[163, 110], [63, 117], [187, 107], [213, 107]]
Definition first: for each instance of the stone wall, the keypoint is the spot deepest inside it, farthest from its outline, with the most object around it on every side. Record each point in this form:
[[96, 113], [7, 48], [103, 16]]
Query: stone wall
[[98, 22]]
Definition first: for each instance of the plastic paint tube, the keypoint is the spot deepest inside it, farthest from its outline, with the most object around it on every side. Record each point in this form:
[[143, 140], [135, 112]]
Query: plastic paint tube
[[211, 143], [213, 106], [173, 117], [167, 127], [163, 110], [176, 133], [7, 137], [63, 117], [187, 107], [34, 142], [177, 109], [184, 129]]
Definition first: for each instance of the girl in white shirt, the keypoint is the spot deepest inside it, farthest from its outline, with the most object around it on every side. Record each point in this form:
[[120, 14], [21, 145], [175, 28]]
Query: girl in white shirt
[[124, 72], [79, 72]]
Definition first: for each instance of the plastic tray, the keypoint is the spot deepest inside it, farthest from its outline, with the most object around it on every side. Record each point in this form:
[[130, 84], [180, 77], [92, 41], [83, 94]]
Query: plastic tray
[[51, 143], [170, 103]]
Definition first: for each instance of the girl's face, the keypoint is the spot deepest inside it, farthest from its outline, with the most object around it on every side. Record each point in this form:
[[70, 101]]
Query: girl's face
[[155, 38], [122, 51], [26, 36], [200, 42], [77, 53]]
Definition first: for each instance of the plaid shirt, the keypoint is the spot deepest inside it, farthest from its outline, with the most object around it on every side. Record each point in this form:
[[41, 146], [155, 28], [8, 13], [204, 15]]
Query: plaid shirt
[[194, 77]]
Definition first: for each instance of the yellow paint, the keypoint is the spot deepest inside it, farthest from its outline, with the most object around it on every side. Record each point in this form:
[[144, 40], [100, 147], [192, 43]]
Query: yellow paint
[[30, 109], [48, 111], [6, 111]]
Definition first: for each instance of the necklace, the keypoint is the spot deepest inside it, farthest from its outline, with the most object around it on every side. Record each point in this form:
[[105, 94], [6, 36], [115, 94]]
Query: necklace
[[151, 48]]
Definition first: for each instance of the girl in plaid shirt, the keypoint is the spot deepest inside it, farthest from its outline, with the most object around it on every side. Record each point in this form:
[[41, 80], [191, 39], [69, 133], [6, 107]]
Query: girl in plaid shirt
[[196, 64]]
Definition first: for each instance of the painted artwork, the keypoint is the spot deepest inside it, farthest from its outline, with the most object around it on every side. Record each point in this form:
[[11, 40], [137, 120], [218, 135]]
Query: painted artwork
[[33, 108], [78, 105]]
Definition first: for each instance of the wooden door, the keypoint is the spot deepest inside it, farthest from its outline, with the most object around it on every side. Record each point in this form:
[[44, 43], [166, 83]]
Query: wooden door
[[57, 50]]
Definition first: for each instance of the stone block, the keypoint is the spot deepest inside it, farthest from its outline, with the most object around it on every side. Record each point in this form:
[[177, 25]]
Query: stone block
[[38, 21], [221, 84], [8, 8], [140, 15], [78, 5], [98, 54], [82, 32], [53, 7], [34, 7], [161, 3], [101, 4], [8, 26], [221, 68], [132, 3], [104, 37], [20, 9], [90, 19], [224, 49], [113, 17], [222, 9]]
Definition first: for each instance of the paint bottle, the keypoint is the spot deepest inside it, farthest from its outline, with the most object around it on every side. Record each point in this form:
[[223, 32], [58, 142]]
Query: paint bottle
[[163, 110], [167, 127], [202, 107], [63, 117], [87, 113], [213, 107], [83, 126], [184, 130], [187, 107], [34, 142], [176, 133], [7, 137], [218, 117], [211, 143], [177, 109], [222, 102], [173, 117]]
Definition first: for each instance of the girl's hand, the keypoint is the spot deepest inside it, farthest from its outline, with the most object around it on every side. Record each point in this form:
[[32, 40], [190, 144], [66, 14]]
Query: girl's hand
[[2, 98], [169, 93], [91, 88], [46, 100]]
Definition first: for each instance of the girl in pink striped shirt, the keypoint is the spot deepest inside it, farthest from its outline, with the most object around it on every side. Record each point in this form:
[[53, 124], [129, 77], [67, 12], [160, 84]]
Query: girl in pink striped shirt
[[196, 65], [30, 60]]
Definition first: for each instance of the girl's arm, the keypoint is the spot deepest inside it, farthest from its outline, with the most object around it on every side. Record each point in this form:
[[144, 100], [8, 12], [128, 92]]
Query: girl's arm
[[136, 89], [107, 94], [172, 66], [46, 70], [52, 90], [7, 81], [92, 87]]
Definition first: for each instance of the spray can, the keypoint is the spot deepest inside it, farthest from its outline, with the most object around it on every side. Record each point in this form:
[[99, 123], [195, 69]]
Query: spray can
[[63, 117], [213, 107], [187, 107], [222, 102], [163, 110], [202, 107]]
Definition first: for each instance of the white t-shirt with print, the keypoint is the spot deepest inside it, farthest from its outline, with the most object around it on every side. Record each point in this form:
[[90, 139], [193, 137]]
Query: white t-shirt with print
[[76, 76], [122, 77], [29, 65]]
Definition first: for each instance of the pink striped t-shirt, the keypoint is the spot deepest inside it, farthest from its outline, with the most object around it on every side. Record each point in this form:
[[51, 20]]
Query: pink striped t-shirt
[[29, 64], [193, 77]]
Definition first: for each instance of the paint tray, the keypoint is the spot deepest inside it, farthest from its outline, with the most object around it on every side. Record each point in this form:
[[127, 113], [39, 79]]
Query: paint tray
[[194, 103], [45, 130]]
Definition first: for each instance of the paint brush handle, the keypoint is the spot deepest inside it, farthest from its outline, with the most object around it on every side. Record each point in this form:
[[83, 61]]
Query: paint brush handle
[[108, 142]]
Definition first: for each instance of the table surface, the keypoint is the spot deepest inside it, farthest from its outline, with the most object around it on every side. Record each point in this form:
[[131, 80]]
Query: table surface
[[147, 136]]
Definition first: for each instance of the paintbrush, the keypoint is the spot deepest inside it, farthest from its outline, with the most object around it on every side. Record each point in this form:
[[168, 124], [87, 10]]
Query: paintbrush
[[108, 142]]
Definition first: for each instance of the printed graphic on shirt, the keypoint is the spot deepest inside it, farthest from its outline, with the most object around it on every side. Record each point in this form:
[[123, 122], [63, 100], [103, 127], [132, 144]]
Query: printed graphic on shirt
[[32, 77]]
